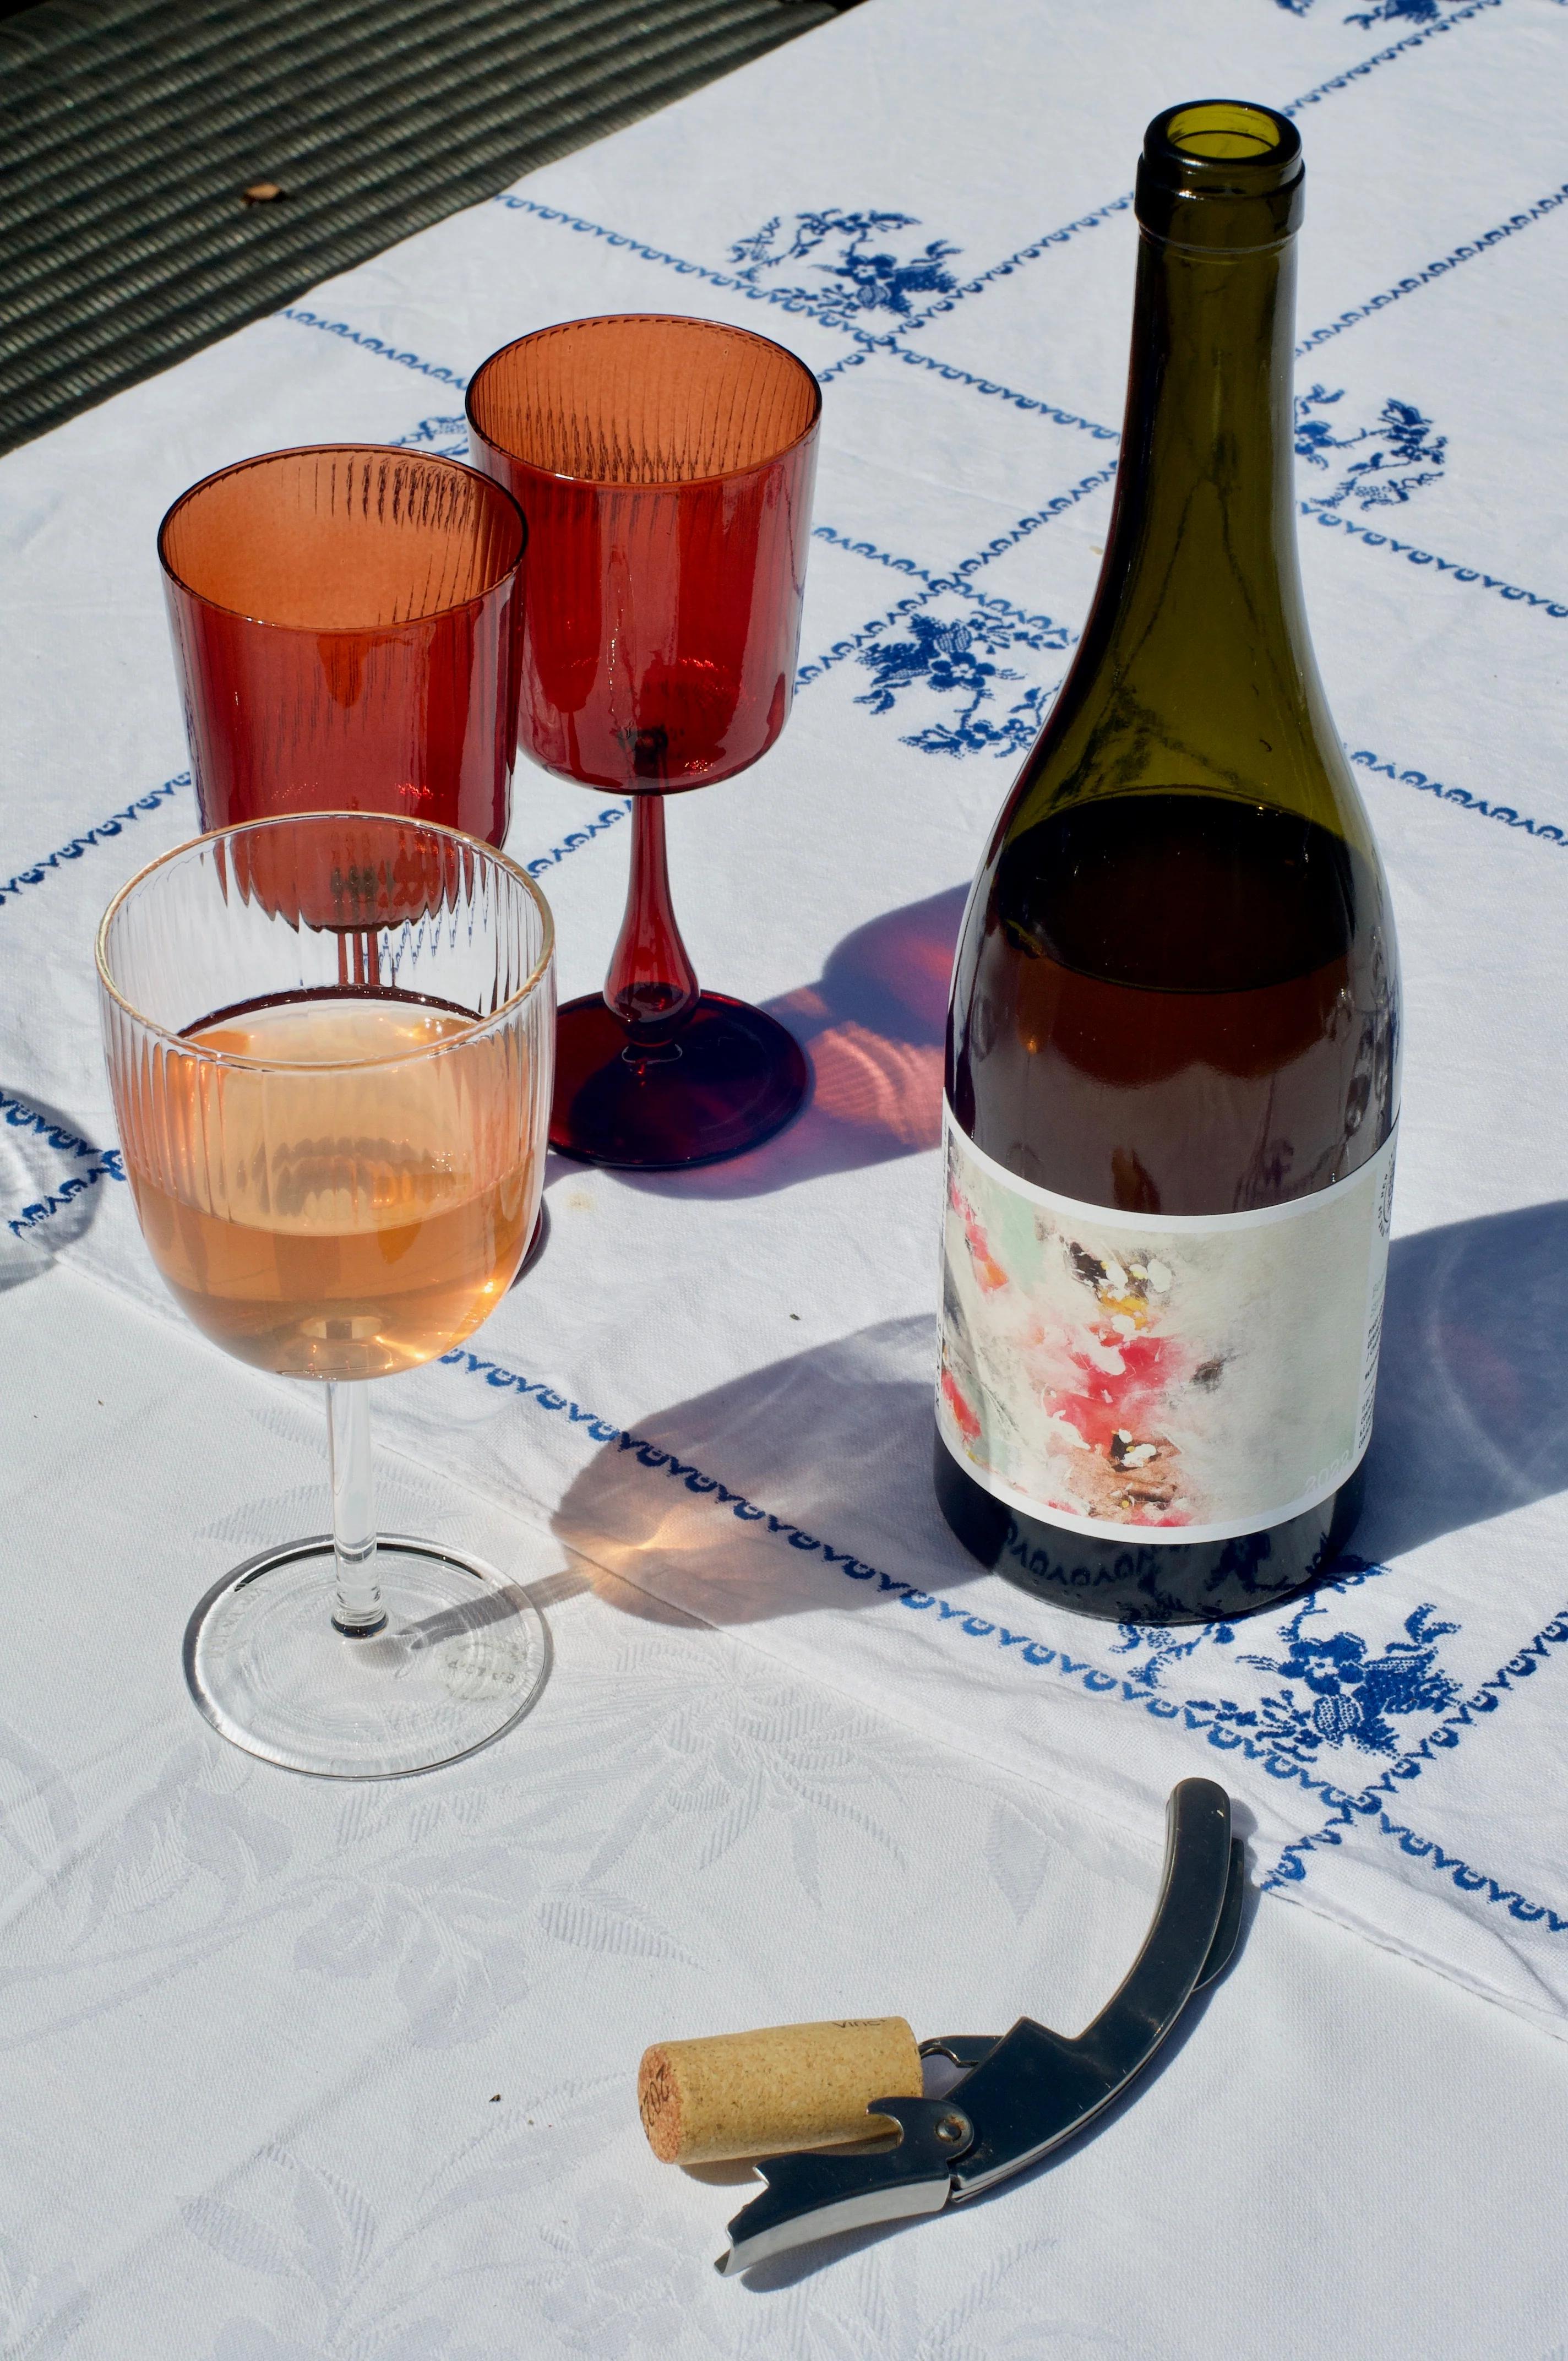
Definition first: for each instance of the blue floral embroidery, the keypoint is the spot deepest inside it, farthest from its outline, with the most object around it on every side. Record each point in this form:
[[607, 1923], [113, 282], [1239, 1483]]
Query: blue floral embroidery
[[1383, 12], [1397, 11], [447, 437], [1336, 1692], [956, 659], [868, 274], [1396, 456]]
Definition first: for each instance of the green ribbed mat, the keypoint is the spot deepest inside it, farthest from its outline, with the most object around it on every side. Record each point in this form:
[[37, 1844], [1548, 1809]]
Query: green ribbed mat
[[129, 128]]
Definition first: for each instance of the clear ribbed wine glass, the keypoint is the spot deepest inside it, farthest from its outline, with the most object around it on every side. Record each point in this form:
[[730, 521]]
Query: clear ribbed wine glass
[[330, 1042], [666, 469]]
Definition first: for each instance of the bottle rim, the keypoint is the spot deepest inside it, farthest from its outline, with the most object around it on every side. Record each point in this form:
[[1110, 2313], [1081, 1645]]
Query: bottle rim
[[1223, 174]]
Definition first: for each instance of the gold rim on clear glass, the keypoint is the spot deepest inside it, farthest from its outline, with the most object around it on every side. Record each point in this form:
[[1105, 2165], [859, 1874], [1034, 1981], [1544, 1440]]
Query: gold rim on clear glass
[[330, 1040]]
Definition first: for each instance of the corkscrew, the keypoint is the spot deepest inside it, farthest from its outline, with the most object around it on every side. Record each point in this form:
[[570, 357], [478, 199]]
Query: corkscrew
[[1023, 2093]]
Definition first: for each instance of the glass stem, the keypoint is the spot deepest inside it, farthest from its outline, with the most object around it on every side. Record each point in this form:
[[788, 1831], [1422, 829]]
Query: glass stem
[[359, 1611], [651, 985]]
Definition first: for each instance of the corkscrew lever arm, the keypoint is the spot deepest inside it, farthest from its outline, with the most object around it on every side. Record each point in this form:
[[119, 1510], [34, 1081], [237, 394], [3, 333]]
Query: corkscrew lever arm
[[1023, 2095]]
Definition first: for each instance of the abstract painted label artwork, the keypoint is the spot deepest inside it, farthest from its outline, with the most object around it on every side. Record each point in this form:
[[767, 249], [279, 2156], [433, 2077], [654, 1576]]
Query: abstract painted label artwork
[[1193, 1378]]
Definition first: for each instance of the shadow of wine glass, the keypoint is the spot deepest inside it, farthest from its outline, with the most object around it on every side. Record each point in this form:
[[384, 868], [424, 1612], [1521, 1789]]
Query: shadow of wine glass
[[834, 1443], [51, 1185], [1473, 1391], [872, 1026]]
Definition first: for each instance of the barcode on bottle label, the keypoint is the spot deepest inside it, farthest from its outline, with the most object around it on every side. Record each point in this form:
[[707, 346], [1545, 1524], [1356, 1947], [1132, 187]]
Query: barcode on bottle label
[[1189, 1379]]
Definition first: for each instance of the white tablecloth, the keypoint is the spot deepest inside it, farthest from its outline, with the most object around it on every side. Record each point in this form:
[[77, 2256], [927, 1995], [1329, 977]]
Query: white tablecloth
[[798, 1755]]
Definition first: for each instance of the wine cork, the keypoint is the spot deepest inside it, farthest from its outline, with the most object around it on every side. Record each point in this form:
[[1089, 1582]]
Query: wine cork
[[765, 2094]]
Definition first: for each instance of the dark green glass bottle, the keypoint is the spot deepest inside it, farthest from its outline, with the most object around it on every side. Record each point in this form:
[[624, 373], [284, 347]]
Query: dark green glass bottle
[[1172, 1066]]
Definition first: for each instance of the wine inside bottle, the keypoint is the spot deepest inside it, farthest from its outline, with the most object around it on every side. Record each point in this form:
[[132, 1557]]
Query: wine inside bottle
[[1172, 1061]]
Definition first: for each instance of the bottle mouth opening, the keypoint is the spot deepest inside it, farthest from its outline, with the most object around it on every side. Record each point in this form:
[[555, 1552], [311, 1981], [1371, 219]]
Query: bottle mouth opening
[[1223, 127], [1222, 173]]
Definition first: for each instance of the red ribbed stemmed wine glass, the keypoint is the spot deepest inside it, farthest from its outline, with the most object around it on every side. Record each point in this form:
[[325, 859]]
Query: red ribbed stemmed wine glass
[[345, 633], [665, 466]]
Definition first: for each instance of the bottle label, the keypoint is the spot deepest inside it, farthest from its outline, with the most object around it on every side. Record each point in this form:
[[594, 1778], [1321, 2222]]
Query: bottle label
[[1189, 1377]]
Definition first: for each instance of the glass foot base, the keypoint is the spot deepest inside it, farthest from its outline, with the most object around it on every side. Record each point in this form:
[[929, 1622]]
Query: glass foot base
[[462, 1656], [730, 1078]]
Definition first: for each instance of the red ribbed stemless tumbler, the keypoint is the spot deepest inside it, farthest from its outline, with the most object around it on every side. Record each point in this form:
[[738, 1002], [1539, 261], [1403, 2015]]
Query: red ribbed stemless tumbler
[[344, 626], [665, 466]]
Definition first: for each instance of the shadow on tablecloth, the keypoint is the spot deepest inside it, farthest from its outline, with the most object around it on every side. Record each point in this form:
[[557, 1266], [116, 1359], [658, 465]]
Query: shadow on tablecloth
[[835, 1443], [51, 1184], [872, 1025], [1472, 1394]]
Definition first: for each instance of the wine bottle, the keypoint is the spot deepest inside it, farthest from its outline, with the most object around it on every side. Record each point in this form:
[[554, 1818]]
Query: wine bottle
[[1172, 1059]]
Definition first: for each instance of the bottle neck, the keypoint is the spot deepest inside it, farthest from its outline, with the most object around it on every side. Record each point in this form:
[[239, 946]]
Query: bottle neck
[[1195, 672], [1204, 498]]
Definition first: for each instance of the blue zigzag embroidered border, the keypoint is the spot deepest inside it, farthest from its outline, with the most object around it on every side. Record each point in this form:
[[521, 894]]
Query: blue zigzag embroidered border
[[302, 318], [78, 845], [1466, 252], [1415, 555], [1031, 253], [791, 301], [958, 580], [576, 838], [105, 1162], [1467, 1879], [1547, 833], [1096, 1680]]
